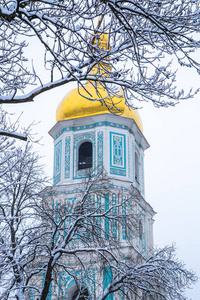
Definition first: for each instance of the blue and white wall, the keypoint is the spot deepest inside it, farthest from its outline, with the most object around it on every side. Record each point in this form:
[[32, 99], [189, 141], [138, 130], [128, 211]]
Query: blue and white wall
[[118, 147], [116, 143]]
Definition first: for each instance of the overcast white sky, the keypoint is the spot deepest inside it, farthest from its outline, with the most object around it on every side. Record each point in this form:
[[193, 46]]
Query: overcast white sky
[[172, 179], [172, 166]]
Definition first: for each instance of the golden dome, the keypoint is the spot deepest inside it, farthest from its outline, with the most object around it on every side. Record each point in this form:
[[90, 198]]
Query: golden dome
[[76, 105]]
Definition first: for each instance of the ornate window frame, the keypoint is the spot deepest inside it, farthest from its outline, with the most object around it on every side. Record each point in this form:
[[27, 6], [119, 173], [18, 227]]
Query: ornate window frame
[[117, 154], [80, 138], [57, 162]]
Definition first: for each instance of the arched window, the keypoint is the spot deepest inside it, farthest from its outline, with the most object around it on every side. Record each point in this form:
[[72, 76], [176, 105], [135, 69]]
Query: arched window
[[140, 229], [136, 167], [85, 156], [80, 294]]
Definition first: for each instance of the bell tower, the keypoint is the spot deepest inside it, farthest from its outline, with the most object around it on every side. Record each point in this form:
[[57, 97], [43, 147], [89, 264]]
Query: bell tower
[[95, 136], [90, 137], [97, 133]]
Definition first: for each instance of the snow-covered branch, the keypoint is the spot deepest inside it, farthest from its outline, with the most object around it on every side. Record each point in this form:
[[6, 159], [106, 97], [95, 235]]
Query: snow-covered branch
[[160, 276], [130, 43], [20, 183], [16, 135], [46, 239]]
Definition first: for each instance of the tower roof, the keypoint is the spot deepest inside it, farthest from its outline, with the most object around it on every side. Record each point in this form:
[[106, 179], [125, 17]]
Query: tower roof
[[92, 99], [77, 105]]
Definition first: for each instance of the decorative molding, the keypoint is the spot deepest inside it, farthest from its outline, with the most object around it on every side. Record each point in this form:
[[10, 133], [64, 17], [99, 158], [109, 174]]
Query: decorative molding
[[115, 210], [107, 221], [133, 161], [128, 158], [142, 173], [107, 278], [117, 154], [57, 162], [124, 212], [95, 125], [78, 138], [141, 242], [79, 190], [67, 156], [98, 219], [117, 172], [99, 151]]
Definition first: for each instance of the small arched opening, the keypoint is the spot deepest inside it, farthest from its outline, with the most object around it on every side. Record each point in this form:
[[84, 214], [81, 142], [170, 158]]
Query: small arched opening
[[80, 294], [136, 167], [140, 229], [85, 156], [76, 292]]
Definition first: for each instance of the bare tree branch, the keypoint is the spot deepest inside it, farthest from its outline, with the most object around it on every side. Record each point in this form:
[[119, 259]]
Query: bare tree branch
[[13, 135], [129, 44]]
